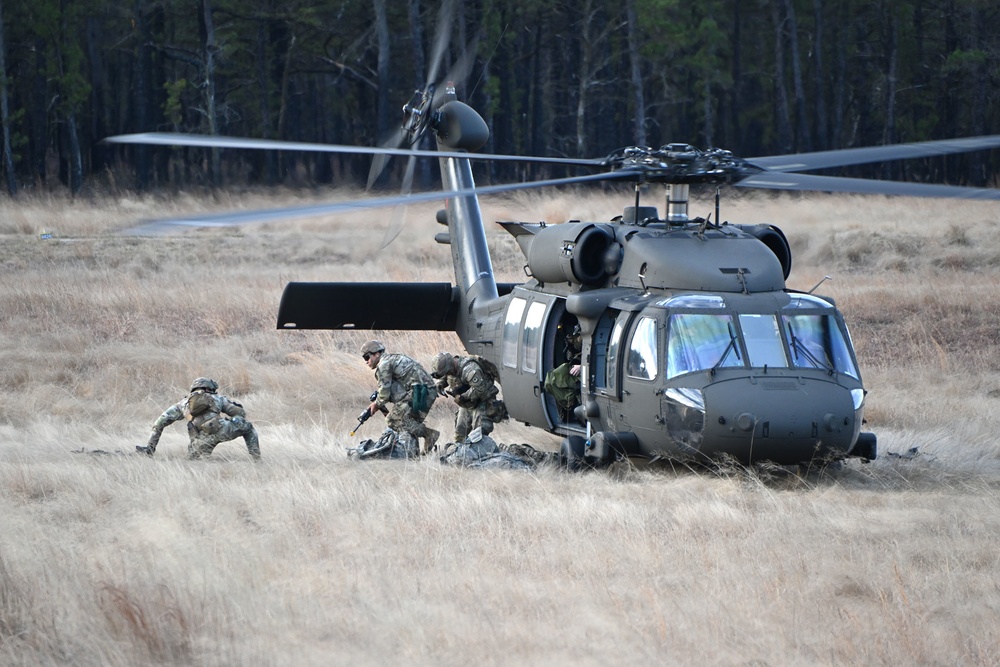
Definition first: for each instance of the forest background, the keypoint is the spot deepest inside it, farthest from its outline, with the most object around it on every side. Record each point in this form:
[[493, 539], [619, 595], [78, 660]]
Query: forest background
[[575, 78]]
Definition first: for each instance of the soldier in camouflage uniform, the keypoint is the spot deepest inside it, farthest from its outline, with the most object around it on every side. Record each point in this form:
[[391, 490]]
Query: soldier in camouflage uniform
[[473, 389], [211, 419], [408, 387]]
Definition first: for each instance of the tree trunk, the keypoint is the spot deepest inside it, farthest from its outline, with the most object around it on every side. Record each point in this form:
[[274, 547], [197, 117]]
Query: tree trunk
[[142, 72], [782, 119], [8, 153], [635, 72], [210, 49], [384, 44], [801, 126], [819, 93]]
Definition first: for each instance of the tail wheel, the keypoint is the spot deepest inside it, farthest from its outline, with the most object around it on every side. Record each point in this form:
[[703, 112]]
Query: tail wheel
[[571, 453]]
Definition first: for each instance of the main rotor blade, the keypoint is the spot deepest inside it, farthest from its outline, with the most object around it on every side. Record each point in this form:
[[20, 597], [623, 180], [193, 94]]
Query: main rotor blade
[[379, 161], [165, 225], [208, 141], [849, 156], [810, 182], [442, 37]]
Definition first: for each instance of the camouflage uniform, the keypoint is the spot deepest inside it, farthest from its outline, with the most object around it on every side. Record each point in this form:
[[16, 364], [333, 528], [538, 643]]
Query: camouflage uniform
[[397, 376], [472, 389], [224, 420]]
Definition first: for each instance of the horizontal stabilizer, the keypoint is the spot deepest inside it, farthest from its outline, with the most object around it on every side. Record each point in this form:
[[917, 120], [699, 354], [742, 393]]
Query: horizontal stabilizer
[[403, 306]]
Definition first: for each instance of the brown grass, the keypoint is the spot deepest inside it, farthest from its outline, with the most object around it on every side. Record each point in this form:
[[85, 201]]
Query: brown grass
[[311, 558]]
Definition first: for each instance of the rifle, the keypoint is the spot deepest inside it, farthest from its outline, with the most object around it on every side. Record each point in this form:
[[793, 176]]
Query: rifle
[[363, 417]]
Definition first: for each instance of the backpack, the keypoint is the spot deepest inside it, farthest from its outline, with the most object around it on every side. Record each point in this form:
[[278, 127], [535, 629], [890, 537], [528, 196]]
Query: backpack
[[199, 403], [488, 367]]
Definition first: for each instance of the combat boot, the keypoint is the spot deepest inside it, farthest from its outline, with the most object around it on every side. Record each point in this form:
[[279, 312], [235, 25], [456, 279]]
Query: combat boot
[[253, 445], [147, 450], [430, 441]]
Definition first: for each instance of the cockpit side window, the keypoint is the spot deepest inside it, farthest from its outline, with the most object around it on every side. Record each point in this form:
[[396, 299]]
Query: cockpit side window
[[642, 355], [614, 343], [511, 328]]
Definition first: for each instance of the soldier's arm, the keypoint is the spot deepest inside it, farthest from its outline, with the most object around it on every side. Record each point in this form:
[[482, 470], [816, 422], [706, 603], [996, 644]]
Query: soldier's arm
[[169, 416], [477, 382], [231, 407], [383, 373]]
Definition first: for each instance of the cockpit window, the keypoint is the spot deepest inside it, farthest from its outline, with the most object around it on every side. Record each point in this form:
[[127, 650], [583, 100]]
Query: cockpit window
[[816, 341], [698, 342], [611, 379], [693, 301], [642, 354], [763, 339], [808, 301]]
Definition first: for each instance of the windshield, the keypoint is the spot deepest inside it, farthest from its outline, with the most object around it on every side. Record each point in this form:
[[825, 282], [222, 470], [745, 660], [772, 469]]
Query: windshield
[[816, 342], [698, 342], [703, 341]]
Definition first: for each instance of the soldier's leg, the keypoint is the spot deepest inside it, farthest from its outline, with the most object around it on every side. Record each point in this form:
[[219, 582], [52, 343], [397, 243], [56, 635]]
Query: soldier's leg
[[463, 424], [402, 419], [202, 446], [239, 426]]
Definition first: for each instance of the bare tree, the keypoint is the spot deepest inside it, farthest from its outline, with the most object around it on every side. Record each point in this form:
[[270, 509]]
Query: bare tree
[[8, 153]]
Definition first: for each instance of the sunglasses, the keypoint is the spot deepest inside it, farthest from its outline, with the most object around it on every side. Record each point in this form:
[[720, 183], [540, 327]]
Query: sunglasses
[[367, 355]]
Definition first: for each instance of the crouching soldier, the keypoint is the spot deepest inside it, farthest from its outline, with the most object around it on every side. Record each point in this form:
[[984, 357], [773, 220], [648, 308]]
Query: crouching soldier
[[211, 419], [408, 387], [471, 383]]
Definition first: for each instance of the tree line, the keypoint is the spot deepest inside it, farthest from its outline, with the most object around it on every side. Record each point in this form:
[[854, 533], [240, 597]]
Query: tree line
[[551, 77]]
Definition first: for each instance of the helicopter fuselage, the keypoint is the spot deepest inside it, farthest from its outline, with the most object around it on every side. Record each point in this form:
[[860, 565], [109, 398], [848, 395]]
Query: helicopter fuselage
[[685, 375]]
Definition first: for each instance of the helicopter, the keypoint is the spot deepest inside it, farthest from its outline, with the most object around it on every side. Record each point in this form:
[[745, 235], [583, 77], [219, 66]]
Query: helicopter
[[693, 346]]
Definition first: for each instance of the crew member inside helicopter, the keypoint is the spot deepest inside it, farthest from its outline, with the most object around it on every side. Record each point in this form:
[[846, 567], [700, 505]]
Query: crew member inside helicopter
[[563, 381]]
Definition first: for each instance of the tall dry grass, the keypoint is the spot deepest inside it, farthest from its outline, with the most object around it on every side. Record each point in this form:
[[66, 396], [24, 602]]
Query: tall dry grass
[[311, 558]]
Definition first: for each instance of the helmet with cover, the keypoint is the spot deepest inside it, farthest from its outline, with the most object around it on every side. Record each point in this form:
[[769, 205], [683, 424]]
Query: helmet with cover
[[443, 364], [207, 384], [372, 347]]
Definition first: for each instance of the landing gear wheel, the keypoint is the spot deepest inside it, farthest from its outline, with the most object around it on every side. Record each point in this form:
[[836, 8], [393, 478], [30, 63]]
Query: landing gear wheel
[[571, 453]]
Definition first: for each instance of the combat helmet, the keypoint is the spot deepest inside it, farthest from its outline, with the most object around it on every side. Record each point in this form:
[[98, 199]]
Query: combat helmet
[[209, 385], [372, 347], [443, 363]]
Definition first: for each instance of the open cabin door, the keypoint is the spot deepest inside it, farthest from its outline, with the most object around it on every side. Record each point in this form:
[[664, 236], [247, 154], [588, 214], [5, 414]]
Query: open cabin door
[[534, 333]]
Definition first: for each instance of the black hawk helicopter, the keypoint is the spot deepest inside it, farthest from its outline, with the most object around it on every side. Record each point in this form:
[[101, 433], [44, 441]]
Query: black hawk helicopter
[[693, 347]]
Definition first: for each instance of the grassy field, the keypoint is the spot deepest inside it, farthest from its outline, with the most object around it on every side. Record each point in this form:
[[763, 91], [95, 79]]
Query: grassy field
[[108, 558]]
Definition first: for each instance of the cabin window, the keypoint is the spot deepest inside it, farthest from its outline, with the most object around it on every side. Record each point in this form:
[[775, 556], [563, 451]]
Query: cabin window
[[532, 331], [699, 342], [611, 379], [816, 341], [511, 328], [642, 355], [763, 339]]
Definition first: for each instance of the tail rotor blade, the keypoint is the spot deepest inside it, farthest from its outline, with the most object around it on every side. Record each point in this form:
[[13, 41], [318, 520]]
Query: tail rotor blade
[[380, 160], [398, 219]]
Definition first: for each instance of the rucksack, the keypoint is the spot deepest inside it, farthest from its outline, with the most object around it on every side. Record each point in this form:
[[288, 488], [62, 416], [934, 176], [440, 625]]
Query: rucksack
[[488, 367], [199, 403]]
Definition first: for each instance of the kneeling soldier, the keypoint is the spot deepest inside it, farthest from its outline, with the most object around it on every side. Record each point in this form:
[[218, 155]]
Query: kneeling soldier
[[211, 419]]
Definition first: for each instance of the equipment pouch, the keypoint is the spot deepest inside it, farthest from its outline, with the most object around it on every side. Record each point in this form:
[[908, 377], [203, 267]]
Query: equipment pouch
[[420, 399], [212, 425]]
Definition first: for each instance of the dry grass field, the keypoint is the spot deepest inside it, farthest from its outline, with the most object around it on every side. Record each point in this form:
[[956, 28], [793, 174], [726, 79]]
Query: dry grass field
[[309, 558]]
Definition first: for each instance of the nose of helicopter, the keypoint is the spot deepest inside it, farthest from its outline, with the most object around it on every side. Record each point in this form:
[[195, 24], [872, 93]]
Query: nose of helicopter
[[787, 420]]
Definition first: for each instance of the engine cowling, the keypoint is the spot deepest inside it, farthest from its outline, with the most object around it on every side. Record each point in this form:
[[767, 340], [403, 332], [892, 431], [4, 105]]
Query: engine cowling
[[573, 252], [775, 240]]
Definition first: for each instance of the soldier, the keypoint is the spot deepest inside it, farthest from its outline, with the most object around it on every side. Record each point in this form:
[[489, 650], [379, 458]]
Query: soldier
[[211, 419], [471, 382], [404, 383]]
